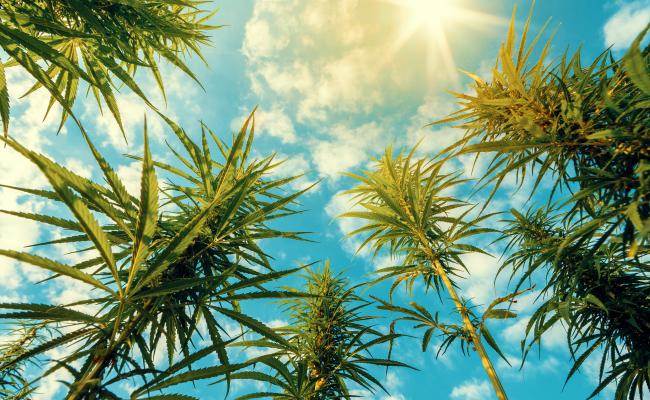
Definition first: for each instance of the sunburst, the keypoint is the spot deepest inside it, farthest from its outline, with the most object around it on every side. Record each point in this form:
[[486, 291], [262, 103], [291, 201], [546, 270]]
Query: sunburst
[[438, 19]]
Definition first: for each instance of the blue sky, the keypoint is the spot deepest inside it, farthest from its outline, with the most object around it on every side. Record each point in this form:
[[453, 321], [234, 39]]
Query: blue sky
[[335, 82]]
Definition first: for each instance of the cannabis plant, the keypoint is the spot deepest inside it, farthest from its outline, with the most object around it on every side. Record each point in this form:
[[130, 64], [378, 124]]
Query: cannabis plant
[[13, 384], [601, 297], [587, 129], [157, 269], [410, 213], [328, 346], [100, 42]]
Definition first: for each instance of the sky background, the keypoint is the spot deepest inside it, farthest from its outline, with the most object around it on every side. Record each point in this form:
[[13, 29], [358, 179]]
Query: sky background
[[335, 82]]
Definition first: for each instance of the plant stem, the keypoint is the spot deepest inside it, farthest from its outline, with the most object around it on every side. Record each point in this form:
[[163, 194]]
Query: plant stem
[[476, 340], [97, 368], [435, 261]]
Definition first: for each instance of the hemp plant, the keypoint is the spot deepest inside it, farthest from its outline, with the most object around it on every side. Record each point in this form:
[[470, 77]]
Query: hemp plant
[[330, 344], [13, 384], [100, 42], [156, 269], [409, 213], [585, 129]]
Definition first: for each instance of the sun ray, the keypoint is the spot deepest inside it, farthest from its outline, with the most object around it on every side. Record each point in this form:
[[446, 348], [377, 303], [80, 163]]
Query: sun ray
[[437, 19], [447, 56], [403, 37], [471, 16]]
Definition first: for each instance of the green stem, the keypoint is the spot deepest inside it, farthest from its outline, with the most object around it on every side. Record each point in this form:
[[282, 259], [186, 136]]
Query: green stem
[[476, 340], [97, 368]]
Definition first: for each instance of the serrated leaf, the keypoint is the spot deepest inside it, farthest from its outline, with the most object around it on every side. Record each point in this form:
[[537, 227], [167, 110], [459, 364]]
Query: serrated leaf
[[635, 65], [56, 267], [4, 100], [499, 313], [148, 212]]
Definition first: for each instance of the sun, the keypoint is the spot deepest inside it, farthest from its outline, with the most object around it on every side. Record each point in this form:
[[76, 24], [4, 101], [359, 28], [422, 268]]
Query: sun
[[428, 13], [438, 19]]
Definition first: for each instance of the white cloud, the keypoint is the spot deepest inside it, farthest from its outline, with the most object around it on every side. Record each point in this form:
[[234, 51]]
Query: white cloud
[[239, 385], [532, 367], [628, 21], [68, 291], [285, 80], [12, 297], [322, 71], [472, 390], [362, 394], [284, 59], [49, 386], [386, 260], [344, 84], [554, 338], [263, 34], [15, 234], [65, 290], [345, 148], [341, 203], [393, 384], [131, 175], [132, 112], [591, 368], [26, 121], [479, 285], [432, 139], [28, 128], [294, 166], [324, 79]]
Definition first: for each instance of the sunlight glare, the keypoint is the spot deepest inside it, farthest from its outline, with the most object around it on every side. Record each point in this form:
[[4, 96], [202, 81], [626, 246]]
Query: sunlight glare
[[429, 13], [437, 19]]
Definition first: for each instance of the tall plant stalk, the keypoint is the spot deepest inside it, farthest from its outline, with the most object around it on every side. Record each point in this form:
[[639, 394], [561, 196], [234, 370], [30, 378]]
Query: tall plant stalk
[[476, 340], [409, 214]]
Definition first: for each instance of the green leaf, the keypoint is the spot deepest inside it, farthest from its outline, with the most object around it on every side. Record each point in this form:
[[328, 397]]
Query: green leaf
[[490, 340], [32, 67], [87, 222], [591, 298], [57, 267], [192, 376], [4, 100], [148, 213], [46, 219], [635, 65], [101, 81], [251, 323], [48, 345], [60, 179], [181, 284], [176, 246], [499, 313], [43, 50]]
